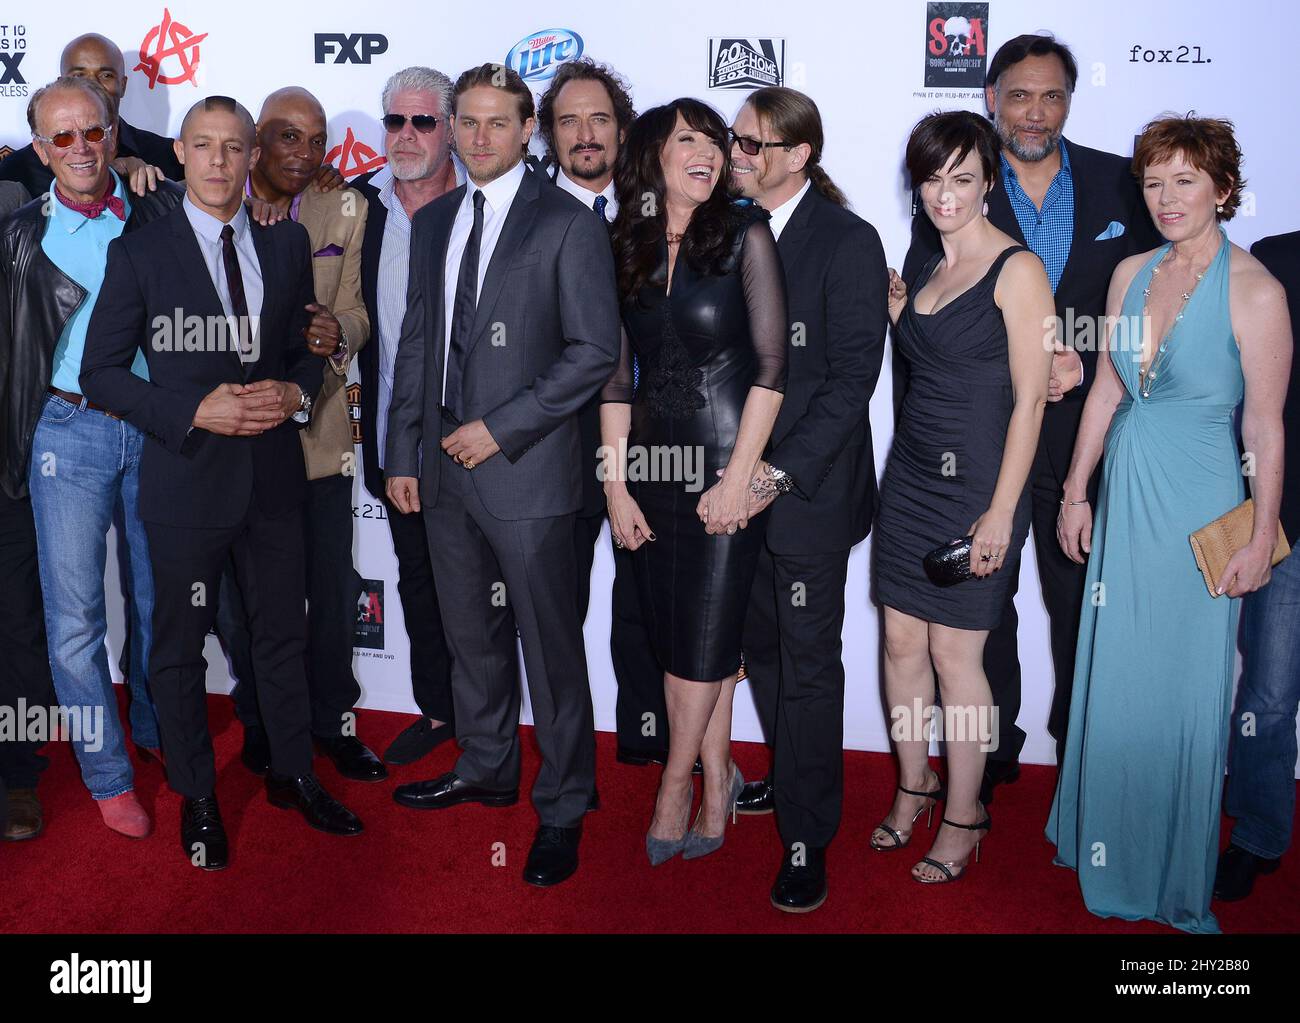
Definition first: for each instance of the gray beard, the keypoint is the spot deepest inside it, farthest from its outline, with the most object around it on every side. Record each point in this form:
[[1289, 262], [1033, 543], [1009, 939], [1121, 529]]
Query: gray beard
[[412, 171], [1020, 152]]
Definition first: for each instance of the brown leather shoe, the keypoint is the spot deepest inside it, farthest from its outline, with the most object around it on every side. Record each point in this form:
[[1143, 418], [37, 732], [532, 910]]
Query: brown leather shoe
[[25, 817]]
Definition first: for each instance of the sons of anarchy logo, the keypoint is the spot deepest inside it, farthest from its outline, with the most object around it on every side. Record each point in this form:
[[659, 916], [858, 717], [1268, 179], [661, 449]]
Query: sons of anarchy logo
[[956, 47], [746, 63], [13, 48], [368, 633]]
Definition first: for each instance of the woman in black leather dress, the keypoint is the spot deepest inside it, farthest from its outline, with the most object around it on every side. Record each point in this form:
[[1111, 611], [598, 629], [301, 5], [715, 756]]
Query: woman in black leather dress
[[976, 334], [704, 316]]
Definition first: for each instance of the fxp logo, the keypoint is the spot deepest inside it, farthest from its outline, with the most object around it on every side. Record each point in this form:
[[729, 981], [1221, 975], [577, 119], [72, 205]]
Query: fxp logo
[[537, 57], [170, 40], [345, 48]]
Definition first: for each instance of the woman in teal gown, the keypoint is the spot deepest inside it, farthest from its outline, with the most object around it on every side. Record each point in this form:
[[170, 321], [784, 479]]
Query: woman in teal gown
[[1136, 811]]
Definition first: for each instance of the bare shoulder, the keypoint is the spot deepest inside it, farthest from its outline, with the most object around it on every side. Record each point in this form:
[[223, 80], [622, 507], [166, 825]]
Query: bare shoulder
[[1249, 280], [1127, 268], [1021, 276]]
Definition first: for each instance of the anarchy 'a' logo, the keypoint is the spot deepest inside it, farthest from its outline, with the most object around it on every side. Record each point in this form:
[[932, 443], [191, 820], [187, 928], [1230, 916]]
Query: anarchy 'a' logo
[[170, 39], [354, 157]]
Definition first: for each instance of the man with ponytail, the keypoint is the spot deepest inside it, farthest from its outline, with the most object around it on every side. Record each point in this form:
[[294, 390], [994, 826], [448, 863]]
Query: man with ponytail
[[824, 470]]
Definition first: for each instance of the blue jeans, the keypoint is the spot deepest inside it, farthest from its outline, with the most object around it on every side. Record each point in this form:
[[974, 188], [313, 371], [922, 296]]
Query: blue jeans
[[1261, 786], [86, 466]]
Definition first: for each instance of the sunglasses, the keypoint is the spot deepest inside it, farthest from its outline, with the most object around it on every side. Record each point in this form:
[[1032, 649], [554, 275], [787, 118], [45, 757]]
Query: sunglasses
[[752, 147], [423, 123], [96, 133]]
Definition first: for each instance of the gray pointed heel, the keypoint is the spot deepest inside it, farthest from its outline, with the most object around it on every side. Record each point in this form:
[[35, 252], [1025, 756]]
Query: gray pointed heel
[[698, 845]]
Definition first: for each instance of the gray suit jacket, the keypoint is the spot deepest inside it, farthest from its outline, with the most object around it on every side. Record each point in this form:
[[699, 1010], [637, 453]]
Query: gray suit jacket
[[545, 339]]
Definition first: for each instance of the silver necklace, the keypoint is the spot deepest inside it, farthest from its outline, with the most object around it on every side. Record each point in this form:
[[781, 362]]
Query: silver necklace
[[1144, 379]]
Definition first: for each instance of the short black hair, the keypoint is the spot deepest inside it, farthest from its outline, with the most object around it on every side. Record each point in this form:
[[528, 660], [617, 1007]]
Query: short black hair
[[938, 136], [584, 69], [226, 105], [1032, 44]]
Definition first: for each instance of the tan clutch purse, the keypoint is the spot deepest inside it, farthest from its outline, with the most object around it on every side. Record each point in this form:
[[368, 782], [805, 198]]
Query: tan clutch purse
[[1215, 543]]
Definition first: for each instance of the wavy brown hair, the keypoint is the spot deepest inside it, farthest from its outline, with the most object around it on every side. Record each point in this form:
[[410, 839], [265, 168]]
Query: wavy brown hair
[[1209, 144], [639, 185], [584, 69], [794, 118]]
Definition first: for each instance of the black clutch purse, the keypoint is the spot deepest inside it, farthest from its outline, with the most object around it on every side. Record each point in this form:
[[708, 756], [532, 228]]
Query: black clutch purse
[[949, 564]]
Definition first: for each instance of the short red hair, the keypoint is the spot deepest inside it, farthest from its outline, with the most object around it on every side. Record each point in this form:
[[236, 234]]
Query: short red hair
[[1207, 143]]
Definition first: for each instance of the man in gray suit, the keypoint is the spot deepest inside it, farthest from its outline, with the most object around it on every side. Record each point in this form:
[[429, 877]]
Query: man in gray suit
[[512, 325]]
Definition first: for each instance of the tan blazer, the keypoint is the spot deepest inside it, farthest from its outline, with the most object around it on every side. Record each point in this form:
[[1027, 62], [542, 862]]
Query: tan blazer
[[335, 219]]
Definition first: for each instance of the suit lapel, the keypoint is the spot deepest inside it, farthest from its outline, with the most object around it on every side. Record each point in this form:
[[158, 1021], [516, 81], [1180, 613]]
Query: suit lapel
[[1001, 214], [797, 231], [265, 247], [1079, 234], [523, 211], [192, 265], [440, 236]]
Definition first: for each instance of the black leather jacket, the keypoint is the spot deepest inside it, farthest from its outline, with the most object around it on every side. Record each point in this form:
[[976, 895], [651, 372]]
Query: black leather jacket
[[36, 301]]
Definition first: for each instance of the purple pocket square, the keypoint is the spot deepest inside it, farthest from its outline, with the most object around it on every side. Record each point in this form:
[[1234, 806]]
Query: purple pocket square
[[330, 250]]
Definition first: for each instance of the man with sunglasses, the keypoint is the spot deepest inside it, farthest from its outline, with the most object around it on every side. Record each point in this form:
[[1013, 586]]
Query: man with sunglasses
[[79, 461], [141, 155], [417, 143], [292, 136]]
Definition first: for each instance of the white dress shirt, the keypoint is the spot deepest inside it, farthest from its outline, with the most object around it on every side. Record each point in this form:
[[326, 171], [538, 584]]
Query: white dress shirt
[[207, 231], [782, 214], [498, 195], [588, 197]]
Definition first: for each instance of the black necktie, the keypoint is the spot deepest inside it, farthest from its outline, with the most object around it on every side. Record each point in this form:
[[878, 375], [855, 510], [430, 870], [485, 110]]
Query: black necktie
[[235, 282], [462, 315], [599, 206]]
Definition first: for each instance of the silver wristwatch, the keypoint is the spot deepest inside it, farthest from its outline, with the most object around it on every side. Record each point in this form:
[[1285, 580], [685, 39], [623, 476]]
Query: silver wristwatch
[[303, 415], [781, 479]]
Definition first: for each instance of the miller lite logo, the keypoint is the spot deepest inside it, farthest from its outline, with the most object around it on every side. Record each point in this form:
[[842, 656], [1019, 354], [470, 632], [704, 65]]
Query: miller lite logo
[[537, 57]]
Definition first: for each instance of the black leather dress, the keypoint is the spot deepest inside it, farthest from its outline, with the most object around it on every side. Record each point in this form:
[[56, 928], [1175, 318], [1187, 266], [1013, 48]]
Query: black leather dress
[[699, 350]]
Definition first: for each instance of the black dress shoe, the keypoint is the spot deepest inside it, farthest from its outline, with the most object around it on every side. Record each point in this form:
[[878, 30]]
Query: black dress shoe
[[321, 810], [203, 836], [1235, 877], [256, 754], [997, 772], [352, 758], [553, 857], [417, 740], [756, 797], [449, 790], [801, 888], [646, 757]]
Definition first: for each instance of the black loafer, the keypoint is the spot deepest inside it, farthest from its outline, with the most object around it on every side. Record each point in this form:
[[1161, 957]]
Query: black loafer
[[203, 836], [1235, 878], [553, 857], [256, 754], [997, 772], [756, 797], [318, 808], [450, 790], [417, 740], [801, 887], [352, 757]]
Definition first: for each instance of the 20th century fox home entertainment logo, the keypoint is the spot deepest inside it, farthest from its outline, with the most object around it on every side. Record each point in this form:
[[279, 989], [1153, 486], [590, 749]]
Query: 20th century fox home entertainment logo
[[746, 63]]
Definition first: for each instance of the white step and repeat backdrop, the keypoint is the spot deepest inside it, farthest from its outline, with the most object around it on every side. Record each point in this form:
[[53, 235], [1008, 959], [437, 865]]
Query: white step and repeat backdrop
[[872, 68]]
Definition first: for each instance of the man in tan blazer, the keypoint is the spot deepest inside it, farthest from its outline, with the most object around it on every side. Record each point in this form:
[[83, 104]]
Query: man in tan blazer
[[291, 135]]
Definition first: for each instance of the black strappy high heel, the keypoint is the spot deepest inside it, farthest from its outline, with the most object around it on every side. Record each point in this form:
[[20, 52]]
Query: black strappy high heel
[[952, 865], [901, 839]]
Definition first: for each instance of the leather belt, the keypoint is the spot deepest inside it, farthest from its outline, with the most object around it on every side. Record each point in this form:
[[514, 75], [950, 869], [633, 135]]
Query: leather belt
[[76, 399]]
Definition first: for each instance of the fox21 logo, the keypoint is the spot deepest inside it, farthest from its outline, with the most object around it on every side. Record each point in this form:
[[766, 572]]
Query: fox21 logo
[[13, 48]]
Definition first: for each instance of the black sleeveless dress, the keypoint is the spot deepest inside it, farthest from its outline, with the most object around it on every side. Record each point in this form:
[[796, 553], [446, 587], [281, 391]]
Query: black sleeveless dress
[[699, 349], [947, 453]]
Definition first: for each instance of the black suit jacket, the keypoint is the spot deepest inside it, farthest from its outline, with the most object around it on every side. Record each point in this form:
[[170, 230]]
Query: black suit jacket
[[372, 243], [550, 306], [837, 286], [1104, 191], [1281, 254], [25, 167], [190, 477]]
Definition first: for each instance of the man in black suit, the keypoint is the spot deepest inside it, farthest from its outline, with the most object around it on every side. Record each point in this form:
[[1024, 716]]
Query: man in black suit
[[1081, 212], [837, 284], [95, 57], [584, 116], [417, 142], [219, 305], [512, 325]]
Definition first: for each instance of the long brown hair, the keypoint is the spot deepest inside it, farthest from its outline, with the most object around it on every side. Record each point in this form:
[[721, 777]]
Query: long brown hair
[[639, 186], [794, 118]]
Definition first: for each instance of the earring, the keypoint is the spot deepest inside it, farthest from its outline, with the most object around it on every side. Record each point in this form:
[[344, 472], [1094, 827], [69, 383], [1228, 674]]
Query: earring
[[1219, 209], [986, 209]]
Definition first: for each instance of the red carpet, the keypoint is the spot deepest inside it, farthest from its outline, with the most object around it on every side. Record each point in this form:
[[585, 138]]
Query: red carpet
[[434, 871]]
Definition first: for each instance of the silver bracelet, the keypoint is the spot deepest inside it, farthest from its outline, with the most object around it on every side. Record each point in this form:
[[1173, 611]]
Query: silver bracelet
[[1072, 503]]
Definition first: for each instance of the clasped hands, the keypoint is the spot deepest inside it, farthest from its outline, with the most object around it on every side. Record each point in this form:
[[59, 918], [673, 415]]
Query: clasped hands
[[245, 410]]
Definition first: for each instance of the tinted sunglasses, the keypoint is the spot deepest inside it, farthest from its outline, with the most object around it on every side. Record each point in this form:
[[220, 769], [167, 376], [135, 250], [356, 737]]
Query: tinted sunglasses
[[64, 139], [423, 123], [752, 147]]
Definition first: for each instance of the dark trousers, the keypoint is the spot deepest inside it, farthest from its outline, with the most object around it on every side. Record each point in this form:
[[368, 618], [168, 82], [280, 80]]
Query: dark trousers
[[188, 565], [333, 588], [430, 656], [24, 660], [640, 712], [794, 666], [494, 576], [1062, 582]]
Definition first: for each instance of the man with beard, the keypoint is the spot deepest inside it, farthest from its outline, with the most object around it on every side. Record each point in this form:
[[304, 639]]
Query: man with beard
[[1081, 212]]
